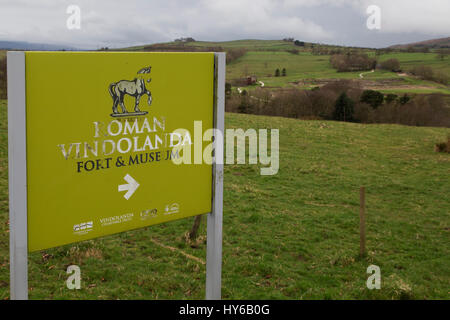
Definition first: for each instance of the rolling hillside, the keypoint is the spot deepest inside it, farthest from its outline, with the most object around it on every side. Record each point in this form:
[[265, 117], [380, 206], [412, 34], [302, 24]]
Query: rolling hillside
[[289, 236], [263, 57], [432, 44], [22, 45]]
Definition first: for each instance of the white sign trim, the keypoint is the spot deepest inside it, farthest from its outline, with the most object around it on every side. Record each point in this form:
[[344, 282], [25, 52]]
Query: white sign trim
[[17, 154]]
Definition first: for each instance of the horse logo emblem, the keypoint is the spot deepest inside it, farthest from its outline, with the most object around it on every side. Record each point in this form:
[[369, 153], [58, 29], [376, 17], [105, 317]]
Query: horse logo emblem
[[135, 88]]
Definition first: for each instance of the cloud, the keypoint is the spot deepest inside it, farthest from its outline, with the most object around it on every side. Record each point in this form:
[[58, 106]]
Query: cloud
[[123, 23]]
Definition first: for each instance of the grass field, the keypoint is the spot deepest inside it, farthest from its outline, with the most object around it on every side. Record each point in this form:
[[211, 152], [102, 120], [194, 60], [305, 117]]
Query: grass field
[[265, 56], [306, 66], [289, 236], [253, 45], [409, 60]]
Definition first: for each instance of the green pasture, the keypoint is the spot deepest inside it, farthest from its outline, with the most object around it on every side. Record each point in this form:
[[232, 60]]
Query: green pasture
[[293, 235]]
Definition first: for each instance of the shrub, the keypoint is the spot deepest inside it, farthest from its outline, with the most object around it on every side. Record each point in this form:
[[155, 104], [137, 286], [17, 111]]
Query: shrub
[[390, 98], [404, 99], [234, 54], [293, 51], [442, 53], [426, 73], [444, 146], [239, 82], [423, 110], [372, 98], [441, 77], [391, 65], [277, 73], [283, 72], [244, 105], [340, 100], [422, 71], [227, 88], [352, 61]]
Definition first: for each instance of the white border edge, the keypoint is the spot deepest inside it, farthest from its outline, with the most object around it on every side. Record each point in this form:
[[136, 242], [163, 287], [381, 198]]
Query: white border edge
[[17, 162]]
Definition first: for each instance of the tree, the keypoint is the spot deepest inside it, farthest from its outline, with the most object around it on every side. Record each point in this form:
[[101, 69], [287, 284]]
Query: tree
[[442, 54], [343, 108], [391, 65], [373, 98], [244, 106], [404, 99], [352, 61], [390, 98], [422, 71], [227, 88], [186, 39], [277, 73], [283, 72], [299, 43]]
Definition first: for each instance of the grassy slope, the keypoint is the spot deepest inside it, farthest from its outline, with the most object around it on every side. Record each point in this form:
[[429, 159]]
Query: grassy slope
[[265, 56], [289, 236], [272, 45], [301, 66], [409, 60], [307, 66]]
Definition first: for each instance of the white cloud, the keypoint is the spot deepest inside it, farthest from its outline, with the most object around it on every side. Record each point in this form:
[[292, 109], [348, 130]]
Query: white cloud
[[121, 23]]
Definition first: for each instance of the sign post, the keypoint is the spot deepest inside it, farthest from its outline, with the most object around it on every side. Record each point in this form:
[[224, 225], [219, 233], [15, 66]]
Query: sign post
[[214, 228], [17, 153], [92, 154]]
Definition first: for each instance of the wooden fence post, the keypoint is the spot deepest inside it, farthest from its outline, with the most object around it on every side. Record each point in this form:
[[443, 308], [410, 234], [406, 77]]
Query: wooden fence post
[[362, 221]]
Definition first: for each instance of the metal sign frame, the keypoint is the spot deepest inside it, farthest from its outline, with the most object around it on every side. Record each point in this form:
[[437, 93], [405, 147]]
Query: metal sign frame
[[17, 161]]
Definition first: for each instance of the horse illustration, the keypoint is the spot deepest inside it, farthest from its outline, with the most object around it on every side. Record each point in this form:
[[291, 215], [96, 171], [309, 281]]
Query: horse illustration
[[135, 88]]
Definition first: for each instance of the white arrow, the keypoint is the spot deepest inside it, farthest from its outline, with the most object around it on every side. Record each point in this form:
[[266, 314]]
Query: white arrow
[[130, 187]]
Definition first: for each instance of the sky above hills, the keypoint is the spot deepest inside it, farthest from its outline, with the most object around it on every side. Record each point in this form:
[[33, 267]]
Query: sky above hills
[[124, 23]]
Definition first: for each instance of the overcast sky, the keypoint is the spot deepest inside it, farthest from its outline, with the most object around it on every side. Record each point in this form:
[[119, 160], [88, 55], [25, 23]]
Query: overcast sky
[[114, 23]]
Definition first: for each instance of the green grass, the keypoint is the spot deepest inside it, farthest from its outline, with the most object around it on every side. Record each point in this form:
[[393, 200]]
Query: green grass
[[265, 56], [289, 236], [302, 66], [253, 45], [306, 66], [409, 60]]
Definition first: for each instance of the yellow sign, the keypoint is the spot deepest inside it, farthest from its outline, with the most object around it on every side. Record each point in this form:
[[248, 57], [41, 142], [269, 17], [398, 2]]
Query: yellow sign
[[100, 142]]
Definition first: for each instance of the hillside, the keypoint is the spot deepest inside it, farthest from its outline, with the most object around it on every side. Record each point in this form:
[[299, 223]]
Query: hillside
[[289, 236], [250, 44], [432, 44], [22, 45], [305, 66]]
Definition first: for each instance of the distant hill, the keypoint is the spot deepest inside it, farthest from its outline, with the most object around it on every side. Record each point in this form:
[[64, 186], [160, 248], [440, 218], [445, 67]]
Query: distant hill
[[432, 44], [21, 45]]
